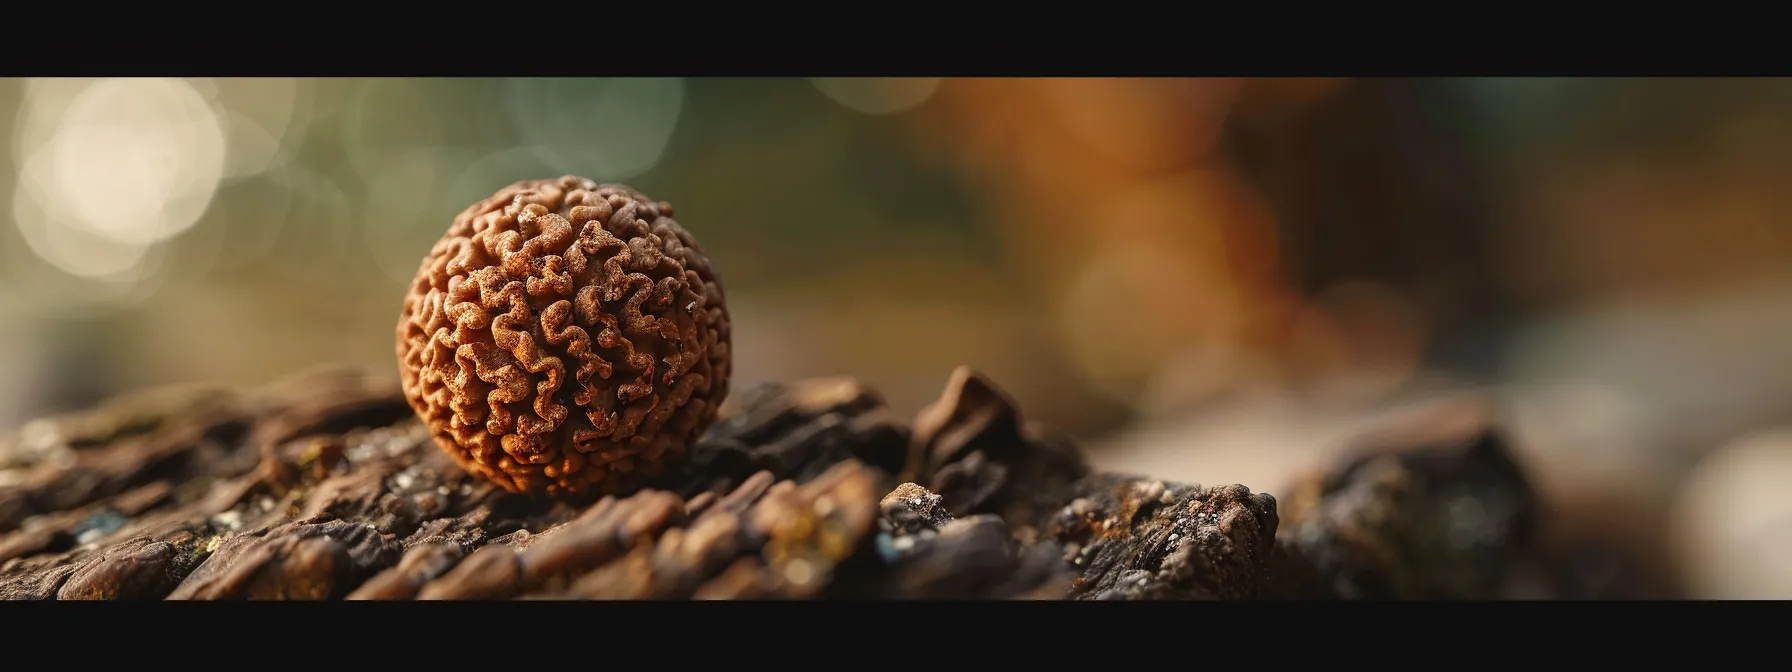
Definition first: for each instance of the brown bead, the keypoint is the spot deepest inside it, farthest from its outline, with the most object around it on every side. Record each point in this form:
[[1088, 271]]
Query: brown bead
[[565, 336]]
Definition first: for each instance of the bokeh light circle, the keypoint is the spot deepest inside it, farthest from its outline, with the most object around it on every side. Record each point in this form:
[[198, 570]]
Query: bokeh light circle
[[877, 95], [606, 129], [135, 161]]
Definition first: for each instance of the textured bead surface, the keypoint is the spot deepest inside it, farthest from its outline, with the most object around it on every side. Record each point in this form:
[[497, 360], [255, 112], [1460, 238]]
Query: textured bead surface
[[565, 336]]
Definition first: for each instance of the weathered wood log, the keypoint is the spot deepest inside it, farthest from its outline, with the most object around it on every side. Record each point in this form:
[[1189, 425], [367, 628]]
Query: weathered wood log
[[328, 487]]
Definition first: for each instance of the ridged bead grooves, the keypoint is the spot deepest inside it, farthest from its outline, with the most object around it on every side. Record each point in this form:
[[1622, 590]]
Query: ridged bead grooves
[[565, 336]]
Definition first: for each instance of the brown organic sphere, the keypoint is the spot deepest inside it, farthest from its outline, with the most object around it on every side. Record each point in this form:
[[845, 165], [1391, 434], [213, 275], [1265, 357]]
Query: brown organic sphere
[[566, 337]]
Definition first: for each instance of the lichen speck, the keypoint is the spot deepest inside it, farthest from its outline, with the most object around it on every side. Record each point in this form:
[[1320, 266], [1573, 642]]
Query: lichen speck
[[565, 337]]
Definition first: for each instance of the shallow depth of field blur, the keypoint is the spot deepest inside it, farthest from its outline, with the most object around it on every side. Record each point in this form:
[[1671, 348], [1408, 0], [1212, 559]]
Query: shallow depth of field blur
[[1209, 280]]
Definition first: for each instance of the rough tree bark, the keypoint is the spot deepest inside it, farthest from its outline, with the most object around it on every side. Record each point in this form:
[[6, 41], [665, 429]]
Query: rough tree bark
[[327, 487]]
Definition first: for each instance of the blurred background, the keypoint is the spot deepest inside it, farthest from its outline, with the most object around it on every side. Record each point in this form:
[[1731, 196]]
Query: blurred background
[[1214, 280]]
